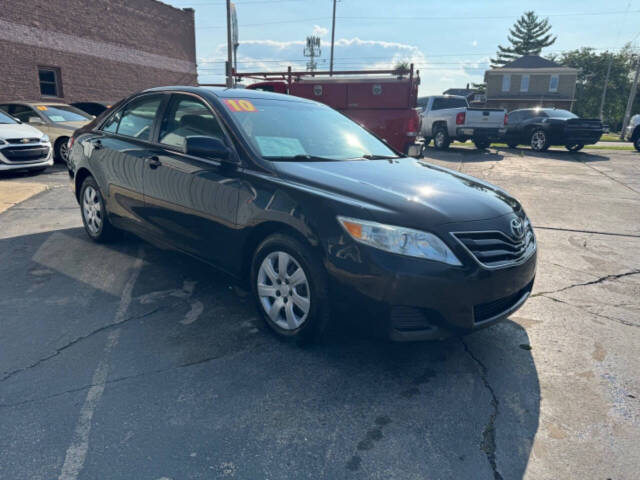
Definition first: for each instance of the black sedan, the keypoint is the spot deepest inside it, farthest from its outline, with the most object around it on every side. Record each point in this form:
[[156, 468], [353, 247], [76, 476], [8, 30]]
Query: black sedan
[[542, 127], [306, 208]]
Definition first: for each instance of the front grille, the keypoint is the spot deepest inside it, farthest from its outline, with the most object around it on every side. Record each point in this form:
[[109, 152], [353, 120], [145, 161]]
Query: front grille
[[22, 140], [496, 249], [487, 311], [25, 153]]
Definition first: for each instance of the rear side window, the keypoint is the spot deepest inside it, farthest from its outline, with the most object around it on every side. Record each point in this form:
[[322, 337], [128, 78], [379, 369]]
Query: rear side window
[[515, 117], [186, 117], [442, 103], [136, 119], [22, 112]]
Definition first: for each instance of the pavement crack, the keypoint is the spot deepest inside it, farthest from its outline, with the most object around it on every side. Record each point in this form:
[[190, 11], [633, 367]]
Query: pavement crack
[[605, 278], [599, 315], [115, 380], [488, 444], [75, 341], [594, 232]]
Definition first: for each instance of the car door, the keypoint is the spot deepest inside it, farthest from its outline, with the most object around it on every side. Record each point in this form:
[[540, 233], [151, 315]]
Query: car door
[[117, 156], [191, 201]]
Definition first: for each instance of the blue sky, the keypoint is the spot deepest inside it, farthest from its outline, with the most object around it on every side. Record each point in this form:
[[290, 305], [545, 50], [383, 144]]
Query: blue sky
[[450, 42]]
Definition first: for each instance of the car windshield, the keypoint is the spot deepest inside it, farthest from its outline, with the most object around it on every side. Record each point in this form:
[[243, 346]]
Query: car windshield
[[63, 113], [559, 114], [300, 131], [4, 118]]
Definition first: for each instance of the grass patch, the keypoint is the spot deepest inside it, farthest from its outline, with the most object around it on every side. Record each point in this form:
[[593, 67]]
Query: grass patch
[[624, 146], [611, 137]]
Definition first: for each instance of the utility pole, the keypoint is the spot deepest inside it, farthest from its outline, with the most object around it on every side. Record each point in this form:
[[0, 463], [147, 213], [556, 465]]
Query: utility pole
[[229, 47], [604, 90], [312, 50], [632, 97], [333, 37]]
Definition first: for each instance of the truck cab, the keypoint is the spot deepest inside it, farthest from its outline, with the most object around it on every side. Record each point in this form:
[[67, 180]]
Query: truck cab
[[445, 118]]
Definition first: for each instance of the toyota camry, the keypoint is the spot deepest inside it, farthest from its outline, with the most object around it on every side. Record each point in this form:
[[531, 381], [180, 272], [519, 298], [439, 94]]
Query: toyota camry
[[307, 209]]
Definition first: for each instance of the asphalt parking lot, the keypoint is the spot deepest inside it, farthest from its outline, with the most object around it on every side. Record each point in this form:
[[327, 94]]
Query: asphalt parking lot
[[126, 361]]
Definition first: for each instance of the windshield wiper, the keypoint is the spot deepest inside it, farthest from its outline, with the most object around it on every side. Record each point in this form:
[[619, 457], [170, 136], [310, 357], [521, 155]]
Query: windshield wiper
[[301, 158], [370, 156]]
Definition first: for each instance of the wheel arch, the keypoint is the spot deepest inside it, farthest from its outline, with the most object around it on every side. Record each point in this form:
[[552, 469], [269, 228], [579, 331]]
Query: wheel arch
[[264, 230], [78, 179], [636, 133]]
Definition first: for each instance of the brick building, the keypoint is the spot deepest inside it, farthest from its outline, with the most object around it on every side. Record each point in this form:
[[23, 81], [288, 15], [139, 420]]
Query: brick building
[[79, 50]]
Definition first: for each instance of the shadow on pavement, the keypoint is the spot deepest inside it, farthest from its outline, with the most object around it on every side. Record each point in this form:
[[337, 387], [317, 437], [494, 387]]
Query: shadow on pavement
[[565, 155], [195, 370]]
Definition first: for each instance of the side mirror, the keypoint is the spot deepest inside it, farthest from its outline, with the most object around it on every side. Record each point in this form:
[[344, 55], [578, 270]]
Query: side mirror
[[36, 120], [208, 147]]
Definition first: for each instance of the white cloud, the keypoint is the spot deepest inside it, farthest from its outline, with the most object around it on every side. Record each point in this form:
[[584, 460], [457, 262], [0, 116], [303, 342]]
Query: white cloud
[[354, 53], [320, 31]]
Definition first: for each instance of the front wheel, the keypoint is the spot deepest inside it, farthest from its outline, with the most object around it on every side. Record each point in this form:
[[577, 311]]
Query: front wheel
[[94, 214], [539, 141], [636, 143], [61, 150], [574, 147], [289, 286]]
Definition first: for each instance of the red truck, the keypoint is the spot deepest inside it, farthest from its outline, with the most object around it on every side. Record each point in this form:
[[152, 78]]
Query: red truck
[[383, 101]]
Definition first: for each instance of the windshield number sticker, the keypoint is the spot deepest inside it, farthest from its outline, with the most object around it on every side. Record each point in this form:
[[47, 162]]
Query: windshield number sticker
[[42, 108], [240, 106]]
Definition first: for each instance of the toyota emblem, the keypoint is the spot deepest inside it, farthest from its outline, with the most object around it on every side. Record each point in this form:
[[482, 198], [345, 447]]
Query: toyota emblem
[[517, 228]]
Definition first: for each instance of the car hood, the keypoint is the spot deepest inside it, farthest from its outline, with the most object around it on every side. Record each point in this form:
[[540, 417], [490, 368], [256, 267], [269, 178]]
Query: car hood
[[423, 194], [17, 130]]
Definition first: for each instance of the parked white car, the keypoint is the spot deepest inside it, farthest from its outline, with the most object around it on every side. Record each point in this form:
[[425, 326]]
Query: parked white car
[[632, 133], [23, 146], [446, 118]]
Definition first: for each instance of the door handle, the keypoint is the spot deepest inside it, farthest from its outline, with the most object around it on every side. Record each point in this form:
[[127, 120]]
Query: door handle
[[153, 162]]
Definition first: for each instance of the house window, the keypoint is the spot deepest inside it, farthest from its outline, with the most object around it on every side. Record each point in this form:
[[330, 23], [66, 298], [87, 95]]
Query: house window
[[49, 79], [553, 83], [506, 83], [524, 83]]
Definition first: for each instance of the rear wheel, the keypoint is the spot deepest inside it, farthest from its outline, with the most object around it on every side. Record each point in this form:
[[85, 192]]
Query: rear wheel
[[290, 289], [441, 138], [482, 144], [636, 143], [539, 141], [574, 147], [94, 214]]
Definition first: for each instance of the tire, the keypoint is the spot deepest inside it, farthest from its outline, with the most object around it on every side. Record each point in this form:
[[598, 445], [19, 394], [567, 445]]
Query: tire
[[301, 312], [61, 151], [441, 140], [539, 140], [574, 147], [636, 143], [482, 144], [512, 145], [94, 214]]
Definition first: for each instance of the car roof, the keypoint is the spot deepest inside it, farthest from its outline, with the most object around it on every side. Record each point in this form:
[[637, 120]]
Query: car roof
[[223, 92], [33, 104]]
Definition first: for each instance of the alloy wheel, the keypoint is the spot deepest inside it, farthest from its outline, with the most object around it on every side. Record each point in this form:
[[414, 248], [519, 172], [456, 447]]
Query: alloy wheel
[[92, 210], [538, 140], [64, 151], [283, 290], [439, 139]]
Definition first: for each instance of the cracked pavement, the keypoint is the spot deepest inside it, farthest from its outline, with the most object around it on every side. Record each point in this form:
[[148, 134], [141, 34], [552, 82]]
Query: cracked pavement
[[196, 387]]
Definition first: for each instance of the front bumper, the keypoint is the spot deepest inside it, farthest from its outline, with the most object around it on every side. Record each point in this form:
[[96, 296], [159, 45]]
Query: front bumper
[[413, 299], [28, 160]]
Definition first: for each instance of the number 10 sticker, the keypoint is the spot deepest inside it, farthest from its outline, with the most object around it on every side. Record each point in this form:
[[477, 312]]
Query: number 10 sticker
[[240, 106]]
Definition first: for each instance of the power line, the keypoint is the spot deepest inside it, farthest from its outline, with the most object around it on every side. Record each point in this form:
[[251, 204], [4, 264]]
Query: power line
[[457, 18]]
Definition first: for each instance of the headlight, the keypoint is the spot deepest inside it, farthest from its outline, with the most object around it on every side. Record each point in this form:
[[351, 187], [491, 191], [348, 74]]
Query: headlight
[[403, 241], [44, 139]]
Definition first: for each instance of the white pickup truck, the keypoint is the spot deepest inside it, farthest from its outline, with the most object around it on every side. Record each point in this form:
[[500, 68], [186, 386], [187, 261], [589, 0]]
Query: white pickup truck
[[445, 118]]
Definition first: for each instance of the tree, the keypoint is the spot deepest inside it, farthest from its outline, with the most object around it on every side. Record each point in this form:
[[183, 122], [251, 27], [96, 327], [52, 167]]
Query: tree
[[528, 36], [401, 68], [592, 72]]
